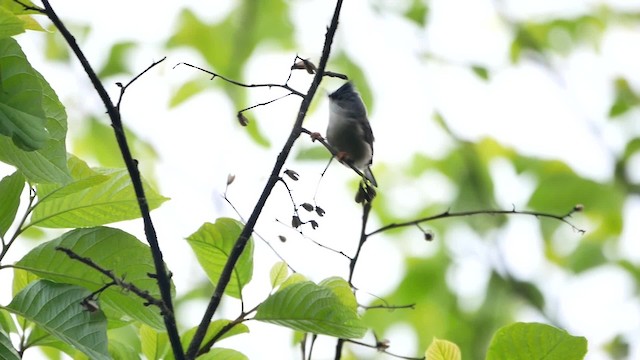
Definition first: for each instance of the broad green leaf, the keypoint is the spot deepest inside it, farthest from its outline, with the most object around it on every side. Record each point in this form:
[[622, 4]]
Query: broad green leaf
[[56, 308], [6, 322], [49, 163], [124, 343], [112, 249], [10, 189], [9, 23], [7, 351], [443, 350], [153, 342], [223, 354], [278, 274], [83, 177], [214, 328], [308, 307], [532, 341], [342, 290], [22, 116], [21, 279], [18, 7], [117, 59], [103, 202], [212, 244], [293, 279]]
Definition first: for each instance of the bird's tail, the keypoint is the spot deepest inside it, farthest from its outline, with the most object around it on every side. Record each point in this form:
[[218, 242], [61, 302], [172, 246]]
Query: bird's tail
[[369, 175]]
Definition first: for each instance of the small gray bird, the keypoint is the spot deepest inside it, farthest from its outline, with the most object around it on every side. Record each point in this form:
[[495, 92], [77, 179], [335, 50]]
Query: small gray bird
[[349, 131]]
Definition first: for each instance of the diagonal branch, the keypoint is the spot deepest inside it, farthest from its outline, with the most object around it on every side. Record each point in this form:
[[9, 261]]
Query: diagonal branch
[[240, 244], [134, 173]]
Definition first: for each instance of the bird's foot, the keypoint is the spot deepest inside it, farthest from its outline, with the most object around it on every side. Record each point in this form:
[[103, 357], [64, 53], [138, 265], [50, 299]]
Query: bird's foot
[[342, 156], [315, 136]]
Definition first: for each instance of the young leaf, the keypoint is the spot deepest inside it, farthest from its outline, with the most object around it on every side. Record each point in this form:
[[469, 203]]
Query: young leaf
[[111, 249], [22, 116], [11, 24], [535, 341], [7, 351], [212, 244], [214, 328], [342, 290], [443, 350], [10, 189], [95, 197], [278, 274], [154, 343], [56, 308], [223, 354], [308, 307], [49, 162]]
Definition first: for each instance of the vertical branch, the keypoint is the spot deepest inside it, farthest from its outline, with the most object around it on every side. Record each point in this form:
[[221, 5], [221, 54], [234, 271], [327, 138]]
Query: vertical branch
[[242, 240], [134, 173], [366, 210]]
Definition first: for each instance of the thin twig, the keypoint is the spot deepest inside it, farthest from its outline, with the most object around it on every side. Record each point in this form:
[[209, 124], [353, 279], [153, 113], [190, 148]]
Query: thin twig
[[447, 214], [123, 88], [383, 350], [164, 283], [241, 242], [237, 83]]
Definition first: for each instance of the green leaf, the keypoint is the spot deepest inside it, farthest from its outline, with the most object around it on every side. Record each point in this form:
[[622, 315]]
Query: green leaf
[[22, 116], [212, 244], [214, 328], [187, 90], [10, 24], [49, 163], [112, 249], [308, 307], [153, 343], [341, 288], [279, 272], [481, 72], [108, 152], [95, 197], [625, 98], [443, 350], [223, 354], [7, 351], [6, 322], [117, 60], [293, 279], [417, 12], [535, 341], [10, 189], [56, 308]]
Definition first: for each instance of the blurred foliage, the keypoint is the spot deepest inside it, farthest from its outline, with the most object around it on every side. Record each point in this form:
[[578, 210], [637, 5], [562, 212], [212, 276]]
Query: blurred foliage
[[227, 45]]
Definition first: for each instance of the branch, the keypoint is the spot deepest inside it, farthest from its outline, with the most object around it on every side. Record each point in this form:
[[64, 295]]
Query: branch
[[116, 280], [240, 244], [164, 283], [382, 347], [448, 214], [215, 75]]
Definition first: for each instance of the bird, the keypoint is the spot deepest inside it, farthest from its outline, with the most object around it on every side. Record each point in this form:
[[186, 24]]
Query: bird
[[349, 131]]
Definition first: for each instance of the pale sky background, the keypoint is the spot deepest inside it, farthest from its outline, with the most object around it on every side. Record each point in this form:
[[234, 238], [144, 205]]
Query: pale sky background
[[560, 115]]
